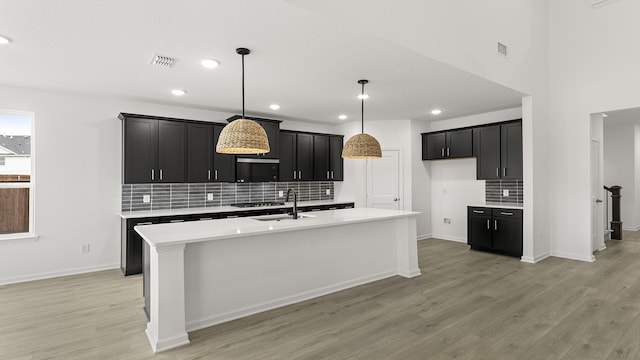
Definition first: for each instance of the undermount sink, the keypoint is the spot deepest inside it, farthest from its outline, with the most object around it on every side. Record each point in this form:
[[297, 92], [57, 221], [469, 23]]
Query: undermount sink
[[279, 217]]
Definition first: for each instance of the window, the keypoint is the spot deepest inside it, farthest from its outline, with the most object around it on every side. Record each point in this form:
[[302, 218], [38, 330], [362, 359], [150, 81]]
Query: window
[[16, 182]]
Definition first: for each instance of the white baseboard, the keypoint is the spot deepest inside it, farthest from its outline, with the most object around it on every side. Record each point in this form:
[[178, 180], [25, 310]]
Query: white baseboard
[[534, 259], [54, 274], [631, 228], [570, 256], [450, 238], [424, 237], [202, 323]]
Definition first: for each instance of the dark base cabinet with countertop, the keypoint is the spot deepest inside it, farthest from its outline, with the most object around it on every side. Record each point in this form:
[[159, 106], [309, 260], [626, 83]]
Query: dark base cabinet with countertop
[[131, 261], [497, 230]]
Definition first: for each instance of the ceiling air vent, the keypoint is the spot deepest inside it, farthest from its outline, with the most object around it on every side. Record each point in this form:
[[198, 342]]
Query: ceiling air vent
[[502, 49], [163, 61]]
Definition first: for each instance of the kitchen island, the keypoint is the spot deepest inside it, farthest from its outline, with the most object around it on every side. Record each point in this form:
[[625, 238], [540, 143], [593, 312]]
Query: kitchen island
[[208, 272]]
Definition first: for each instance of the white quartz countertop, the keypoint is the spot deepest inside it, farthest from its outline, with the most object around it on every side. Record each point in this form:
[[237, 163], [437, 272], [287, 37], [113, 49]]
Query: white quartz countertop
[[498, 205], [198, 231], [220, 209]]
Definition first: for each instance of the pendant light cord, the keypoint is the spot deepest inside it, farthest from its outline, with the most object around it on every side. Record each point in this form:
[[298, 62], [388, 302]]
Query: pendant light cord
[[362, 109], [243, 86]]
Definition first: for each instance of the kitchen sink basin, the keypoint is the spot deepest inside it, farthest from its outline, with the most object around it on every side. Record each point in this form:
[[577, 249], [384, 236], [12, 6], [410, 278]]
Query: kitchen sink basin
[[280, 217]]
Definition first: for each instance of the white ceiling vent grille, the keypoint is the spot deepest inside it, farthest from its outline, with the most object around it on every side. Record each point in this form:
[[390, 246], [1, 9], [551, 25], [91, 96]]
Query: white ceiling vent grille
[[502, 49], [162, 61]]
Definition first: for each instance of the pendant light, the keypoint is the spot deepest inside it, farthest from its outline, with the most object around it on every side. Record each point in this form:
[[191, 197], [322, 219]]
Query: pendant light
[[243, 136], [362, 146]]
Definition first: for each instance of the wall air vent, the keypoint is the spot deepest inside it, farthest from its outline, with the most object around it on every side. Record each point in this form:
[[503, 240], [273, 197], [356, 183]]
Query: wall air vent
[[502, 49], [162, 61]]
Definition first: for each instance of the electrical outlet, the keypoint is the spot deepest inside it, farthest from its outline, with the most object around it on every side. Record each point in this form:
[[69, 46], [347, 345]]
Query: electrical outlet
[[505, 192], [328, 191], [209, 196], [85, 248], [447, 221], [146, 198], [280, 193]]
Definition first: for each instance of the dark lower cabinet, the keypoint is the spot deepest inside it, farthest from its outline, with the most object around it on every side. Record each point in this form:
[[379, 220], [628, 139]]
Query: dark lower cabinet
[[495, 229], [132, 245]]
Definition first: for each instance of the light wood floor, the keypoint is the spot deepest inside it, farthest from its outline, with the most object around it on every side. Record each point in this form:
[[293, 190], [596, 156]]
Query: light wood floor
[[466, 305]]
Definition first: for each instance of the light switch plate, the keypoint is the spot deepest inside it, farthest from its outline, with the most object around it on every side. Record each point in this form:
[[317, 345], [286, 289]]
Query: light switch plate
[[505, 192], [209, 196], [280, 193], [146, 198], [328, 191]]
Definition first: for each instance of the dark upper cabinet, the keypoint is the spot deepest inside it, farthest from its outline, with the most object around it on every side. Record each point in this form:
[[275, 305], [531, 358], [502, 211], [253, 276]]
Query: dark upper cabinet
[[447, 144], [288, 167], [224, 165], [154, 150], [200, 149], [321, 161], [498, 151], [140, 149], [495, 230], [336, 163], [487, 151], [304, 157], [511, 150]]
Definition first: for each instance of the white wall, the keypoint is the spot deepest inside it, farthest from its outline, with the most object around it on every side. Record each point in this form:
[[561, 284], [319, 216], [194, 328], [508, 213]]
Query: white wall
[[620, 142]]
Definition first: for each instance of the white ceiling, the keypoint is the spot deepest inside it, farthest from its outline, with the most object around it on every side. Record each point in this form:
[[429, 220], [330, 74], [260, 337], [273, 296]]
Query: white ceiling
[[308, 64]]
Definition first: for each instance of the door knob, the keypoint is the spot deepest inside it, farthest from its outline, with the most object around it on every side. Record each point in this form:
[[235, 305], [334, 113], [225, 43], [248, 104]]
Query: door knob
[[598, 200], [395, 199]]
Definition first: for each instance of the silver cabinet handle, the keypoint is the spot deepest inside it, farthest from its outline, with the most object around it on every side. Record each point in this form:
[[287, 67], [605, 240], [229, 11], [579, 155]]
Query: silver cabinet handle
[[153, 173], [328, 175], [145, 223], [442, 152], [447, 151], [488, 226], [294, 174], [160, 174], [504, 172], [478, 211], [506, 213], [299, 174], [202, 219], [498, 172], [215, 174], [176, 221], [495, 224], [331, 174], [232, 216], [209, 174]]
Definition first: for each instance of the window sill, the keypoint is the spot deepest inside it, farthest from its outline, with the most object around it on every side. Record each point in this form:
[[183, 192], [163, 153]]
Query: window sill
[[19, 236]]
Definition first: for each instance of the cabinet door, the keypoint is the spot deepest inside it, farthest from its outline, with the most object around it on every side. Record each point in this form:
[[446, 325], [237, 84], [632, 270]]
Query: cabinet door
[[486, 141], [200, 149], [304, 157], [507, 231], [459, 143], [273, 133], [287, 149], [511, 150], [224, 165], [479, 228], [134, 253], [433, 146], [321, 170], [172, 151], [335, 158], [140, 150]]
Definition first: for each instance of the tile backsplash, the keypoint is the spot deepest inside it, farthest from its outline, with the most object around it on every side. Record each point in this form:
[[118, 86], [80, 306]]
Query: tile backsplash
[[494, 191], [180, 196]]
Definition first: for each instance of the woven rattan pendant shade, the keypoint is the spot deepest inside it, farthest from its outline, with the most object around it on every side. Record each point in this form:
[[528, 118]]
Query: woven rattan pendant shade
[[243, 136], [362, 146]]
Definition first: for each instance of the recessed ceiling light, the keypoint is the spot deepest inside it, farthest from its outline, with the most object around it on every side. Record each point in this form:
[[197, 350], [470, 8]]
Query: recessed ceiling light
[[274, 106], [178, 92], [605, 115], [342, 117], [436, 111], [363, 96], [4, 40], [210, 63]]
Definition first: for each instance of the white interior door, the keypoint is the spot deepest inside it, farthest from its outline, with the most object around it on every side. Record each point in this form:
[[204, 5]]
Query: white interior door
[[597, 208], [384, 181]]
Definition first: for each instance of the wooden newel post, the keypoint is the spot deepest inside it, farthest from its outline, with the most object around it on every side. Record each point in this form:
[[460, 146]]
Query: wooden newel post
[[616, 224]]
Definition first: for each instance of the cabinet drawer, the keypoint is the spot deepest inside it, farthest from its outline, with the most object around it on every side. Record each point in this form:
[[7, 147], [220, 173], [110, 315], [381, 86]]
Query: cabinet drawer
[[175, 219], [203, 217], [507, 213], [131, 223], [479, 211]]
